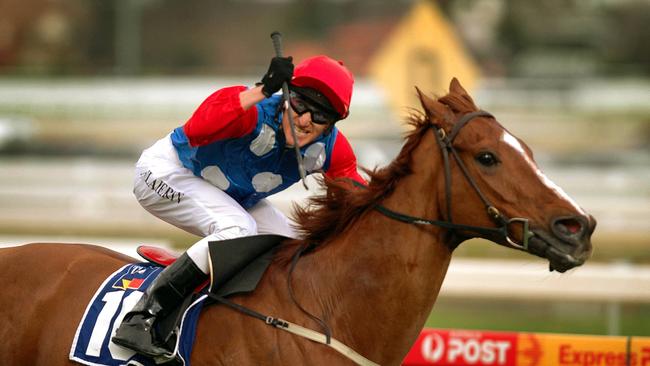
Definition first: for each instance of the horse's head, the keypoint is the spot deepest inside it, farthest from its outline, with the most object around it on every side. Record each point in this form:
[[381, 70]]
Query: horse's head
[[501, 186]]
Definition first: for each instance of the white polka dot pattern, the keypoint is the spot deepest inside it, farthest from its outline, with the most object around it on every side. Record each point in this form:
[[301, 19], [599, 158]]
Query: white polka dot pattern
[[266, 181], [215, 176], [314, 157], [264, 142]]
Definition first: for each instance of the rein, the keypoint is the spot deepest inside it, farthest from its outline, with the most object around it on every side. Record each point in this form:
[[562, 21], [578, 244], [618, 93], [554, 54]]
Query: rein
[[445, 142]]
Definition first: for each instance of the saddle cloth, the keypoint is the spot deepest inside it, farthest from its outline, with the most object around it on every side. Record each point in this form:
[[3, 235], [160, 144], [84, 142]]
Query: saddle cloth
[[115, 297], [237, 267]]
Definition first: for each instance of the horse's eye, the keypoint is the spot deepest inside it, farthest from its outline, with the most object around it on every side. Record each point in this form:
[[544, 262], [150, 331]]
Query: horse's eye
[[486, 159]]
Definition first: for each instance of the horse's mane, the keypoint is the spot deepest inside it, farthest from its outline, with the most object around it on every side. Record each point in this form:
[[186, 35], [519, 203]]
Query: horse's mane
[[333, 212]]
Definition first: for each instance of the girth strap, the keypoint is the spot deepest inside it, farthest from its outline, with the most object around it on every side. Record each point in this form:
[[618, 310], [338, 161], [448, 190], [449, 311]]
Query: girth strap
[[299, 330], [310, 334]]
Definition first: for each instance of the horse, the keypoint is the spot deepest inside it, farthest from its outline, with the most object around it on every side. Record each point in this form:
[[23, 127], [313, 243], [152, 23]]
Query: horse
[[376, 259]]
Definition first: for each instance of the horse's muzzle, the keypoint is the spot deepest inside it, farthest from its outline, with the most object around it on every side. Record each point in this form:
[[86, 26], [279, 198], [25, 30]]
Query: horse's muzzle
[[568, 245]]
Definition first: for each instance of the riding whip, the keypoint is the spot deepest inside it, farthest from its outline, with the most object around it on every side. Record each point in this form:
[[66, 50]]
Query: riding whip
[[276, 37]]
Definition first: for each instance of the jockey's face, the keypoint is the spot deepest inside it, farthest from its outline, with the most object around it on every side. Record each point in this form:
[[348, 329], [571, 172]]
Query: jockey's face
[[306, 130]]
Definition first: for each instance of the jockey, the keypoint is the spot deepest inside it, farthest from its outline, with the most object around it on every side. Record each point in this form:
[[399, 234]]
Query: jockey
[[212, 175]]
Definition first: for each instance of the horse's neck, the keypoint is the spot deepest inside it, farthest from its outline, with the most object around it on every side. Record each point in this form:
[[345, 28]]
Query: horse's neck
[[378, 281]]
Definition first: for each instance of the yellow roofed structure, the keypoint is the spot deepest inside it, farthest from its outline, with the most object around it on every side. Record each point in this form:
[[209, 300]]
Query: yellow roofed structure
[[422, 51]]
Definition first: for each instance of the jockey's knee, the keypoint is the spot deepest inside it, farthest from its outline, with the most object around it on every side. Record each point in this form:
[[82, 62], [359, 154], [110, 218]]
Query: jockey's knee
[[243, 225]]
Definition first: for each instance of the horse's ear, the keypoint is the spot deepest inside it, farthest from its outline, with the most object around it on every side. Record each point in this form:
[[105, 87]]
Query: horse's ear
[[456, 88], [432, 108]]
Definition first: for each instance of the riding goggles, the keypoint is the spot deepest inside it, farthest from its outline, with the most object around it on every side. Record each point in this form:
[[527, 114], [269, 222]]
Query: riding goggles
[[319, 115]]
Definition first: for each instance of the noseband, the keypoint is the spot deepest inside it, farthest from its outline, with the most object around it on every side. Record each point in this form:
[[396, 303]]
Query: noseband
[[445, 142]]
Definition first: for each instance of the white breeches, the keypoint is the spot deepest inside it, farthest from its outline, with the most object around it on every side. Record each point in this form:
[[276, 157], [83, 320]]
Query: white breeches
[[169, 191]]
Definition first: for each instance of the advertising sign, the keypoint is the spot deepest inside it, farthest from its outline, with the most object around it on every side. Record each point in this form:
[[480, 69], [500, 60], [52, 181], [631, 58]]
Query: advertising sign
[[463, 348]]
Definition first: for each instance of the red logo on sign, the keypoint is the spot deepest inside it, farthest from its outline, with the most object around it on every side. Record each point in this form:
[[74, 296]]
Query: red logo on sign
[[464, 348]]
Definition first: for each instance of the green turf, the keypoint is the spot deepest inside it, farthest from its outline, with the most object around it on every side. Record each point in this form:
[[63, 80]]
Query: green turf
[[545, 317]]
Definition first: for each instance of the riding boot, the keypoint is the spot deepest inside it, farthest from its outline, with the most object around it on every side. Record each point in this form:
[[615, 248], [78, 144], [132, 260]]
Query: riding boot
[[165, 293]]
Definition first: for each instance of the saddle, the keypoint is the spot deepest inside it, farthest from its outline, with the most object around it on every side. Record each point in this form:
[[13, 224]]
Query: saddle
[[237, 266]]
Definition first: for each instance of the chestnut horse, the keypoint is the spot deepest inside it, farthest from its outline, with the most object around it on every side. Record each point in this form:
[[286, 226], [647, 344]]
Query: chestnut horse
[[379, 255]]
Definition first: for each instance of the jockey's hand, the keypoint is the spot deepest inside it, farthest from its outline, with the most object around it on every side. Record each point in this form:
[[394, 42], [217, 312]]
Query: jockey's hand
[[280, 70]]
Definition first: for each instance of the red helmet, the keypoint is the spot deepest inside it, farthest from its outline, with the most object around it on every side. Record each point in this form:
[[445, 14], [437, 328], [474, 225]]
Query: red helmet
[[329, 77]]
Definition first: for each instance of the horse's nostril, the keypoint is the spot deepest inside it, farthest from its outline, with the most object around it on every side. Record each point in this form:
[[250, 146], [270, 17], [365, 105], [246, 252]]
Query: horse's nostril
[[569, 226]]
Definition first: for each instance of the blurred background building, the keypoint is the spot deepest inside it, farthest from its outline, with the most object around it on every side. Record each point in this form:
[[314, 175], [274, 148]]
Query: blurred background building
[[86, 85]]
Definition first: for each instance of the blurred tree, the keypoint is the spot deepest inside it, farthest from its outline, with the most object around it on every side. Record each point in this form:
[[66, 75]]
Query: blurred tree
[[97, 37], [39, 36], [553, 37], [575, 36], [623, 37]]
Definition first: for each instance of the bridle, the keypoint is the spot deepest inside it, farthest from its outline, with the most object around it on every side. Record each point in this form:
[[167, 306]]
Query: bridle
[[445, 142]]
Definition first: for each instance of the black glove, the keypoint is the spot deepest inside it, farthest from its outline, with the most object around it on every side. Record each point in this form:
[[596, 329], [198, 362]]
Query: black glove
[[280, 70]]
